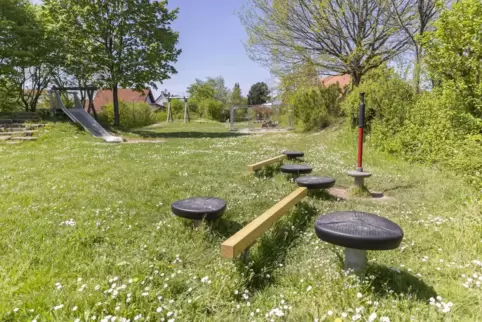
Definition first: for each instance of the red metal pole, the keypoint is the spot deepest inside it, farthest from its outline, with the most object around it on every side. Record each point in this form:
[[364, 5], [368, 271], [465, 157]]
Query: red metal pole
[[361, 123], [360, 148]]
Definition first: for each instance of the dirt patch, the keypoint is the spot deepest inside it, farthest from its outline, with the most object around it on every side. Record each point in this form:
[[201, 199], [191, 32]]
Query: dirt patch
[[346, 195], [136, 141], [263, 130]]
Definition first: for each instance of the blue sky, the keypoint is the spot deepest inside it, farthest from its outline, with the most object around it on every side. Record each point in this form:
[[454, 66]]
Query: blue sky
[[211, 38]]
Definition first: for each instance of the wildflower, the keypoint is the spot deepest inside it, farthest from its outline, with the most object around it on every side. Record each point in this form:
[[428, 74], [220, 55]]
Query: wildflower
[[15, 310], [344, 315], [330, 313], [309, 288], [372, 317], [359, 295], [58, 307], [159, 310], [97, 287], [204, 279], [75, 308], [384, 319]]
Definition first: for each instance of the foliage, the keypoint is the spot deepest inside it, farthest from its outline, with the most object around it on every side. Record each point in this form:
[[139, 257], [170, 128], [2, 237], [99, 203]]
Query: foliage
[[130, 43], [237, 97], [454, 53], [258, 94], [317, 106], [414, 17], [284, 34], [210, 97], [28, 54], [134, 115], [387, 100]]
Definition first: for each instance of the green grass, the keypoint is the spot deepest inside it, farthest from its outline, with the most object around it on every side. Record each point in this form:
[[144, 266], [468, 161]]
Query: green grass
[[96, 219]]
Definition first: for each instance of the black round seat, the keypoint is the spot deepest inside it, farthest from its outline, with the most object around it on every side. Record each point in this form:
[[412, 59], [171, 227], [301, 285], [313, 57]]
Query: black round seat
[[312, 182], [294, 154], [208, 208], [358, 230], [295, 168]]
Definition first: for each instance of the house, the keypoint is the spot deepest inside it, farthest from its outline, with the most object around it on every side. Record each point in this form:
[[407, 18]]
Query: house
[[342, 80], [103, 97]]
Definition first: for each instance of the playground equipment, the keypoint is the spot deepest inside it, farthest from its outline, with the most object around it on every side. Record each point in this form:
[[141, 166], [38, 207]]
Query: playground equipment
[[359, 174], [169, 110], [296, 169], [79, 115], [261, 117], [247, 236], [198, 209], [358, 232], [243, 239], [285, 155]]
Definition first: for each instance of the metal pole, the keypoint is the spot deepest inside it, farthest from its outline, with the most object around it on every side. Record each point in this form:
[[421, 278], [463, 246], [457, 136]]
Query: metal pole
[[52, 108], [186, 112], [168, 109], [231, 118], [361, 123]]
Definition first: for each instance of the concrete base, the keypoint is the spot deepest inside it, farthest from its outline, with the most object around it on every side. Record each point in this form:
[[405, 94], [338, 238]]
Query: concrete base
[[355, 259], [359, 176]]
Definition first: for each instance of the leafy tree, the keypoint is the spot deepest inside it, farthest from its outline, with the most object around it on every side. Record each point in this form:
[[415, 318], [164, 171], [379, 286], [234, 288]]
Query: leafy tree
[[414, 17], [236, 97], [258, 94], [346, 37], [25, 53], [454, 53], [129, 43], [209, 97]]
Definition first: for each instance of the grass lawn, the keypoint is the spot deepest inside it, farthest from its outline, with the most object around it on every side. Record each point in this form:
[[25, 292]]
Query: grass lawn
[[86, 233]]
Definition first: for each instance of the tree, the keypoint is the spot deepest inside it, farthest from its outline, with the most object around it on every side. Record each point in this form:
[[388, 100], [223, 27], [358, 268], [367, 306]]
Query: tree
[[236, 96], [130, 43], [24, 51], [209, 97], [345, 37], [454, 52], [258, 94], [414, 17]]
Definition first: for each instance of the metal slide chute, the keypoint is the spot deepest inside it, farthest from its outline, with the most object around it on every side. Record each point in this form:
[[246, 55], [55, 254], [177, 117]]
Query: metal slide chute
[[79, 115]]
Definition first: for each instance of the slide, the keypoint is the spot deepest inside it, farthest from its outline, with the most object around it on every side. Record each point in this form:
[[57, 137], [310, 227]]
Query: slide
[[79, 115]]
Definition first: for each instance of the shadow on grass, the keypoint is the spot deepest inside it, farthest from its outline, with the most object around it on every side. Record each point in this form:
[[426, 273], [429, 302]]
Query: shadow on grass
[[224, 228], [272, 250], [191, 134], [399, 282], [268, 171], [321, 194]]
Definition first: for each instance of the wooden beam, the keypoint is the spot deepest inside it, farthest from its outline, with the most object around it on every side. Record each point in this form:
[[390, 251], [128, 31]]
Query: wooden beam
[[244, 238], [259, 165]]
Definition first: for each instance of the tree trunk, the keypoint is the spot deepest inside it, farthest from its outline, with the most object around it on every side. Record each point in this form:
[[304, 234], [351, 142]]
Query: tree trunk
[[417, 69], [115, 101], [355, 78]]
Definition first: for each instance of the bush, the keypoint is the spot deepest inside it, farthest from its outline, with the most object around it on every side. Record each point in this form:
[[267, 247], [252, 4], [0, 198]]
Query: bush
[[132, 115], [317, 106], [387, 98], [211, 109], [438, 130]]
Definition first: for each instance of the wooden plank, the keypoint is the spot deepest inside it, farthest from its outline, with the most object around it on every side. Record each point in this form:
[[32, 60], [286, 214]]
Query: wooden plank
[[259, 165], [244, 238]]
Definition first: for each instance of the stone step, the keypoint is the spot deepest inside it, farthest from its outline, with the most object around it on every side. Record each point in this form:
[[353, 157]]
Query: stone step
[[18, 133], [23, 138], [12, 129]]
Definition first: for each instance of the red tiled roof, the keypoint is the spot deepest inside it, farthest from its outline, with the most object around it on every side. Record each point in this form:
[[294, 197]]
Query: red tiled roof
[[342, 80], [104, 97]]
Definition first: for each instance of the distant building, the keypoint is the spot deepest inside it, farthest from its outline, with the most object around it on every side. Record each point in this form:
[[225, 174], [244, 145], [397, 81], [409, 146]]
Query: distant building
[[342, 80], [103, 97]]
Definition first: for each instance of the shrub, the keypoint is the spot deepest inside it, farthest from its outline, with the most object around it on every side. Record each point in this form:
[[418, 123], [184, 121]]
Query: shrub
[[387, 98], [316, 106], [132, 115], [211, 109]]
